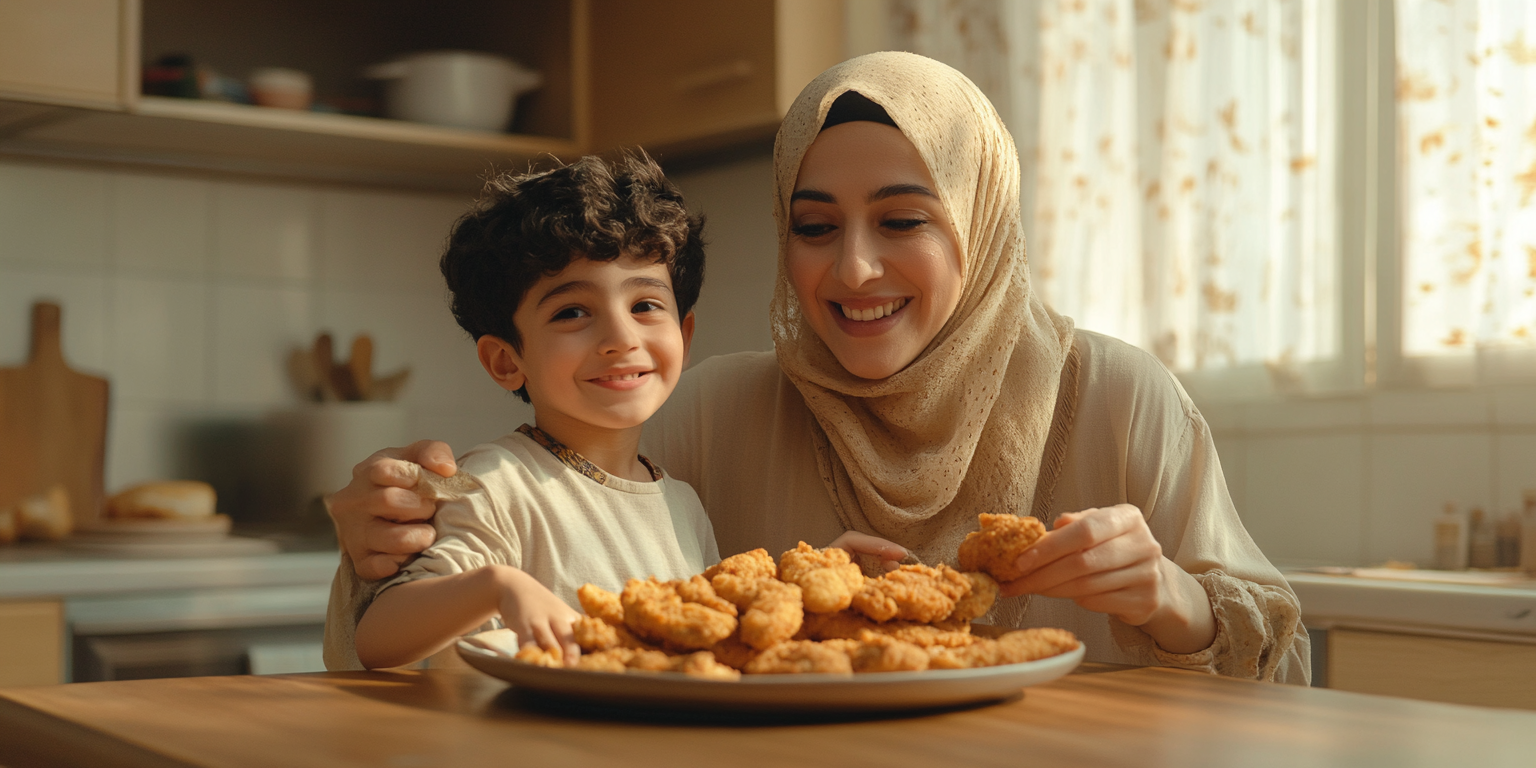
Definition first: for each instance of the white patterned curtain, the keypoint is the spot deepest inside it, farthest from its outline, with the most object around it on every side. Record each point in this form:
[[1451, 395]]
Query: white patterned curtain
[[1466, 99], [1179, 164]]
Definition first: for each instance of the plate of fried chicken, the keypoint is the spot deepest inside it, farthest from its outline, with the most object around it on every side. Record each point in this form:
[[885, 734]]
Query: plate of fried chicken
[[808, 632]]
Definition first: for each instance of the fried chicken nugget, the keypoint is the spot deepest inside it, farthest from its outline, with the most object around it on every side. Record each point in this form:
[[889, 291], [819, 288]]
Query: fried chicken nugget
[[649, 661], [600, 603], [912, 593], [654, 611], [533, 654], [997, 546], [611, 660], [842, 625], [828, 578], [757, 564], [698, 590], [734, 653], [929, 636], [877, 652], [799, 657], [594, 634], [977, 602], [773, 615], [1034, 644], [703, 664]]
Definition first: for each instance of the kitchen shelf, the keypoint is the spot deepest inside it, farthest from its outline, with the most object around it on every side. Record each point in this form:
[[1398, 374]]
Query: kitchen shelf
[[276, 142]]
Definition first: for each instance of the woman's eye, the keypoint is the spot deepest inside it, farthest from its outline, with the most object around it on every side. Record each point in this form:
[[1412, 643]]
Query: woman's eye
[[903, 225], [570, 313], [811, 230]]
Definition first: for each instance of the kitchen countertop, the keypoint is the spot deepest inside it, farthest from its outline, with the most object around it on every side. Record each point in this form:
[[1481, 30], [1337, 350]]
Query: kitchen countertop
[[1505, 612], [1100, 715], [36, 571]]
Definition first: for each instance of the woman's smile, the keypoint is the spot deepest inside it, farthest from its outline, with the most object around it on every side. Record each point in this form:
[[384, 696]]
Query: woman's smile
[[869, 320]]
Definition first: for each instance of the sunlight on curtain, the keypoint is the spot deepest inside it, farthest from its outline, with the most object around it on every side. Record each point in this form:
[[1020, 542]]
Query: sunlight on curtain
[[1181, 164], [1466, 98]]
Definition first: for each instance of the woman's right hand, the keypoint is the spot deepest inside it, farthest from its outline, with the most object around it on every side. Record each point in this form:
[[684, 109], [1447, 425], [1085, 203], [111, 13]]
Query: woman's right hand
[[380, 521], [889, 553]]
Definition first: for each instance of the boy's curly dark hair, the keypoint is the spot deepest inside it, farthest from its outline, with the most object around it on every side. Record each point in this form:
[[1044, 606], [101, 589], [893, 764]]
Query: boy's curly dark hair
[[526, 226]]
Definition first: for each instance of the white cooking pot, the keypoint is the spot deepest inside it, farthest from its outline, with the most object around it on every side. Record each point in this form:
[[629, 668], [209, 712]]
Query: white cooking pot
[[461, 89]]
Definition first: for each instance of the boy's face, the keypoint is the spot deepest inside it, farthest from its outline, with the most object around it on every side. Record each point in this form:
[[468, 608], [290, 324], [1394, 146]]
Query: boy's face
[[602, 343]]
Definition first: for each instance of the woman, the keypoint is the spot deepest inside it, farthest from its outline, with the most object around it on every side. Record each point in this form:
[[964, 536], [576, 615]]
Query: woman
[[917, 380]]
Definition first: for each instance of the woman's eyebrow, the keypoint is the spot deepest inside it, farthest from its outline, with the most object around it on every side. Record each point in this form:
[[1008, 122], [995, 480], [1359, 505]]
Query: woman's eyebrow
[[894, 190], [814, 195]]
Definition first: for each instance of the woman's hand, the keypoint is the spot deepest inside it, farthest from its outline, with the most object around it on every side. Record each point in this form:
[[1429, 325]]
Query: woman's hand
[[1106, 560], [380, 521], [536, 614], [890, 553]]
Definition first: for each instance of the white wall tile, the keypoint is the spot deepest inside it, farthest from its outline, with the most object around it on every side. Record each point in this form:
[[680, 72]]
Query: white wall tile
[[1412, 476], [465, 431], [53, 216], [264, 231], [742, 259], [84, 301], [1305, 497], [1514, 470], [1514, 406], [385, 240], [254, 330], [1429, 408], [159, 339], [1304, 415], [141, 444], [161, 223]]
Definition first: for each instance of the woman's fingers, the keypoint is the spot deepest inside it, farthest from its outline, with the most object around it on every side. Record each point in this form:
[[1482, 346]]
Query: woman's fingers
[[432, 454], [864, 544], [1078, 531]]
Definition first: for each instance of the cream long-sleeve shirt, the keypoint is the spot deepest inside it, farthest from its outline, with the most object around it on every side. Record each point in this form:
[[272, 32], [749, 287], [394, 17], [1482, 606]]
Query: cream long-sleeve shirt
[[737, 431], [543, 508]]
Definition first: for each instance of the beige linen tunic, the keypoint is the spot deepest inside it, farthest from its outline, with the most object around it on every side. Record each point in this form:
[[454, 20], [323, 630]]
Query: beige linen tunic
[[738, 431], [551, 513]]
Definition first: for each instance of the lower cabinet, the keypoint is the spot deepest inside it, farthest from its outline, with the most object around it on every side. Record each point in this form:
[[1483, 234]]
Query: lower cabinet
[[31, 642], [1453, 670]]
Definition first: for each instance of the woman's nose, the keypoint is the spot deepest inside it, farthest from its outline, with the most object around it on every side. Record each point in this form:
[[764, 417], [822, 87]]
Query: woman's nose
[[857, 262]]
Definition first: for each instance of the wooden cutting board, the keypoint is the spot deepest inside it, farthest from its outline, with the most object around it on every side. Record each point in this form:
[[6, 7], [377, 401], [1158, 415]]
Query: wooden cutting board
[[53, 424]]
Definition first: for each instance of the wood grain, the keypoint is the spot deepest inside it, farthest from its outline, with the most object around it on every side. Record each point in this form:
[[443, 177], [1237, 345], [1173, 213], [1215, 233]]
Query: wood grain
[[1444, 669], [31, 642], [53, 424], [1101, 716]]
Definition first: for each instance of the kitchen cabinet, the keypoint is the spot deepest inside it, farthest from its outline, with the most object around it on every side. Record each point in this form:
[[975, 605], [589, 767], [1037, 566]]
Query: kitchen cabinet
[[680, 78], [1417, 666], [31, 642]]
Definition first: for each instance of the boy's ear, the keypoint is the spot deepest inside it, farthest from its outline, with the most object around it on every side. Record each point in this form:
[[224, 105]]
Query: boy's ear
[[501, 361], [687, 336]]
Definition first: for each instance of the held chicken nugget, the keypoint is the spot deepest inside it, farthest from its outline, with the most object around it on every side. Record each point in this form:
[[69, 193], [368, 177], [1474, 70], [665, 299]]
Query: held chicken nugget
[[997, 546], [600, 603], [828, 578]]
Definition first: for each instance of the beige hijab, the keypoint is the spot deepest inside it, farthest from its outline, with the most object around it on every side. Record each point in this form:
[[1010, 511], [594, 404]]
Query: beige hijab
[[916, 456]]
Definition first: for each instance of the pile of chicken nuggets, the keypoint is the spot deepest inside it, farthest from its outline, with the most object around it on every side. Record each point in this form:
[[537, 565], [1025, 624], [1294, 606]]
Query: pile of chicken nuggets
[[812, 611]]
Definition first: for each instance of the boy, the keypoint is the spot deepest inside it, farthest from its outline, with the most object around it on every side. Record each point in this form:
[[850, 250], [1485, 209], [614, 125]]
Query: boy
[[577, 285]]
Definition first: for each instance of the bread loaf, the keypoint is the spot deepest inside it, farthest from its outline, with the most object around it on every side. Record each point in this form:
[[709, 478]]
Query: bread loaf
[[165, 500], [45, 516]]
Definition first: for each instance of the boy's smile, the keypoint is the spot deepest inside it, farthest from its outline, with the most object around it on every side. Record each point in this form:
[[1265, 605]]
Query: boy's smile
[[602, 347]]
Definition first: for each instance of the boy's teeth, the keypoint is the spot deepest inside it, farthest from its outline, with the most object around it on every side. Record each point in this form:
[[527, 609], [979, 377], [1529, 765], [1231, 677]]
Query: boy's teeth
[[873, 313]]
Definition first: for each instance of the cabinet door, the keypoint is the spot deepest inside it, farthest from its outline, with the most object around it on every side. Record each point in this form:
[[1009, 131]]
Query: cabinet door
[[68, 52], [31, 643], [666, 72], [1459, 671]]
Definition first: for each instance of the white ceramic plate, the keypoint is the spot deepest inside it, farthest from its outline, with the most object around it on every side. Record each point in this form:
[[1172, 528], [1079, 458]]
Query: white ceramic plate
[[870, 692]]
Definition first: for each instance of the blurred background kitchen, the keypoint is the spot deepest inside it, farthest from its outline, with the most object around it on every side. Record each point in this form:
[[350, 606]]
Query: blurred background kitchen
[[1317, 213]]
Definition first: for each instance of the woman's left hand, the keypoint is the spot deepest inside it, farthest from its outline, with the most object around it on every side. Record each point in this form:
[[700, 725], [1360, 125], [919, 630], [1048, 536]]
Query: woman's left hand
[[1106, 560]]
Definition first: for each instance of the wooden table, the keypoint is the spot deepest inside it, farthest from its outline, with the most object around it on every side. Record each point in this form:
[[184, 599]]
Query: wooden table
[[1098, 716]]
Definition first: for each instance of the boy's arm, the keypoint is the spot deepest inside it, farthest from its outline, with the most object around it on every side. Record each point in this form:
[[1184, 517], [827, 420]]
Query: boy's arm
[[416, 619]]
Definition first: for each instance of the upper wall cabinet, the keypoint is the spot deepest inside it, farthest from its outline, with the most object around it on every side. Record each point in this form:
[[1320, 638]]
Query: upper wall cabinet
[[679, 77]]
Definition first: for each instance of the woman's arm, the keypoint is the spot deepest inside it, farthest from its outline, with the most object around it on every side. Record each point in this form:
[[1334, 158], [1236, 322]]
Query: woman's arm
[[414, 620]]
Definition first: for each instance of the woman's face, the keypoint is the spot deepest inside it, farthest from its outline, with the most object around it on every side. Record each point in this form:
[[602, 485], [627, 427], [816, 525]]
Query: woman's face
[[872, 256]]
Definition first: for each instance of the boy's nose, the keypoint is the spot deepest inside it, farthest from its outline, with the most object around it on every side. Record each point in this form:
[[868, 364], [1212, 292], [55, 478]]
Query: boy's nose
[[619, 335]]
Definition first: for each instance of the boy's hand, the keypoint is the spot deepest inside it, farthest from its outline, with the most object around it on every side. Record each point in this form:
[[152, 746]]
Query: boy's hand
[[536, 614], [857, 543], [380, 521]]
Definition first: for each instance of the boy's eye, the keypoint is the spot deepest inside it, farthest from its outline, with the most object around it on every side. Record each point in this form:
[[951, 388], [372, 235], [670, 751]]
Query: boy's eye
[[811, 230], [646, 305], [570, 313]]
